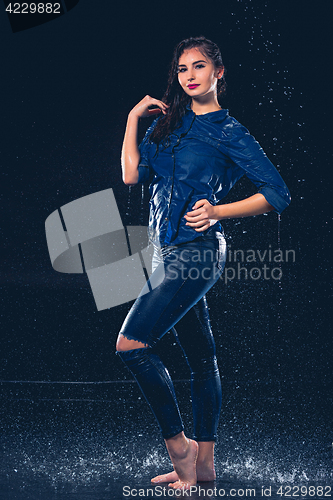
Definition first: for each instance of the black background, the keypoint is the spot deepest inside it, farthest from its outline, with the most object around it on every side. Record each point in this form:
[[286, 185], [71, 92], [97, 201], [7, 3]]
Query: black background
[[67, 87], [73, 422]]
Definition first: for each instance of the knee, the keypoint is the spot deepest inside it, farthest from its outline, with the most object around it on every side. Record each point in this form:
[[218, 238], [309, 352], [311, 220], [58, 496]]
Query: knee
[[200, 358], [120, 344], [125, 344], [204, 368]]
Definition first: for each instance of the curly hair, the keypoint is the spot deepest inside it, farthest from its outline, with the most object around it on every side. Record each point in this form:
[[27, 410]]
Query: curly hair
[[174, 94]]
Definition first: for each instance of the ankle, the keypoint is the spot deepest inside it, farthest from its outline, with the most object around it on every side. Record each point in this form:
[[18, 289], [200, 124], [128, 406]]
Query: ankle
[[178, 445], [206, 465], [206, 454]]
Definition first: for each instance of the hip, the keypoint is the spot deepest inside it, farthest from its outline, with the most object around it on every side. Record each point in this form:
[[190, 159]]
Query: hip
[[206, 250]]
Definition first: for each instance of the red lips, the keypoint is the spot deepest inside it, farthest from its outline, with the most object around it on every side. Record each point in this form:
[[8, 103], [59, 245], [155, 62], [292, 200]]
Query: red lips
[[194, 86]]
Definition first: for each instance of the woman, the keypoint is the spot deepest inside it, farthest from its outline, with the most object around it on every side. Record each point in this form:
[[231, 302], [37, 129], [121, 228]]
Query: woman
[[196, 152]]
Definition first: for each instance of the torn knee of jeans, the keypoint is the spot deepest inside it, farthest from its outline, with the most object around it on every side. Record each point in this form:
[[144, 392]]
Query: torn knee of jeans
[[132, 346]]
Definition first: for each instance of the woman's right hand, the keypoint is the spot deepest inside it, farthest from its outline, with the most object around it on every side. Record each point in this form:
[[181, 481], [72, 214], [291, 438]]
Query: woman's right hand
[[142, 110]]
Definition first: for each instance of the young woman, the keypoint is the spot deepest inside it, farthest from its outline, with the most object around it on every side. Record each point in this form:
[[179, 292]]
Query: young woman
[[195, 152]]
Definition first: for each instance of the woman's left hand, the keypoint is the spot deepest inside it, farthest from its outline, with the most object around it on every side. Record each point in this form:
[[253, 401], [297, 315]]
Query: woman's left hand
[[202, 216]]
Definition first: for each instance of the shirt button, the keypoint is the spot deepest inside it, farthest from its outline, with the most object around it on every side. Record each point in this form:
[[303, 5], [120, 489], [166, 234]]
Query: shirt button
[[166, 218]]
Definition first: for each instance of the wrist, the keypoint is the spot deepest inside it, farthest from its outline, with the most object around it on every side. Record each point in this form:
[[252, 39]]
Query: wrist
[[218, 212], [133, 116]]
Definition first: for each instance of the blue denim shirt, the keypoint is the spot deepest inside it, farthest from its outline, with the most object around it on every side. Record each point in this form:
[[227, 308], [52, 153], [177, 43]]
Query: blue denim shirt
[[202, 159]]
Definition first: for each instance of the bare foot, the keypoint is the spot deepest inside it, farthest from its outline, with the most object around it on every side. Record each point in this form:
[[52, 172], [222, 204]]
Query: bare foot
[[204, 466], [204, 473], [165, 478], [184, 459]]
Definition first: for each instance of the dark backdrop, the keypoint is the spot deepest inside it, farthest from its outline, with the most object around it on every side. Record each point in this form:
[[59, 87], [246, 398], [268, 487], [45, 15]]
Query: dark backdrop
[[66, 89]]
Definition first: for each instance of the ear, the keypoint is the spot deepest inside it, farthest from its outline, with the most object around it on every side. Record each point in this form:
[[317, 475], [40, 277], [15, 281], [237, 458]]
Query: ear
[[220, 73]]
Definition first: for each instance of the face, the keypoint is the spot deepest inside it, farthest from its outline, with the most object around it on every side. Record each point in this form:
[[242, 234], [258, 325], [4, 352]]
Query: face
[[197, 74]]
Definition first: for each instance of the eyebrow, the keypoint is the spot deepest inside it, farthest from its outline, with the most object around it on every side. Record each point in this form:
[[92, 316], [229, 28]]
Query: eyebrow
[[195, 62]]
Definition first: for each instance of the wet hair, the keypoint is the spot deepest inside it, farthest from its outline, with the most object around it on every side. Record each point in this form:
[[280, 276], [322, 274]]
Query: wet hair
[[175, 95]]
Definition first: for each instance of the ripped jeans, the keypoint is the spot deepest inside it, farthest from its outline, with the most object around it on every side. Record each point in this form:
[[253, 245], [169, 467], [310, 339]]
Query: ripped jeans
[[175, 300]]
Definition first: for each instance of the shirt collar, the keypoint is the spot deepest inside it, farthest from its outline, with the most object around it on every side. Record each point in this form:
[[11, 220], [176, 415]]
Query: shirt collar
[[213, 116]]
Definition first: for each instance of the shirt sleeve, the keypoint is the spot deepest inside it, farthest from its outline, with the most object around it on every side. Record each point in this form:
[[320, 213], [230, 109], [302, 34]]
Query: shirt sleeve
[[144, 149], [247, 153]]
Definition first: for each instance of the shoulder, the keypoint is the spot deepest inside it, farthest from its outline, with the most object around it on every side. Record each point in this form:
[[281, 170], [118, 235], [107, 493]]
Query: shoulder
[[233, 137], [224, 126], [215, 128], [238, 135], [233, 128]]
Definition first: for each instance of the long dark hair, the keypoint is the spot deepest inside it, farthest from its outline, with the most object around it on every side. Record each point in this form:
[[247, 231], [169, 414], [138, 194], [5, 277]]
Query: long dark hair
[[174, 94]]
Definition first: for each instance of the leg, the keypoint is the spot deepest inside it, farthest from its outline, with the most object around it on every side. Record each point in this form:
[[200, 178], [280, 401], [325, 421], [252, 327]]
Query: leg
[[193, 330], [152, 315], [183, 453], [156, 386]]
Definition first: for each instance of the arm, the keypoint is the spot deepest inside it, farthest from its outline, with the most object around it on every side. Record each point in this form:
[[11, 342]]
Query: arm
[[247, 154], [253, 205], [205, 215], [130, 154]]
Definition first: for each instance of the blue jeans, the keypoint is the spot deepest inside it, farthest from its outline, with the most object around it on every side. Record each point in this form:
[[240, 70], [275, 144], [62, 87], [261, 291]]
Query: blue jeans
[[176, 301]]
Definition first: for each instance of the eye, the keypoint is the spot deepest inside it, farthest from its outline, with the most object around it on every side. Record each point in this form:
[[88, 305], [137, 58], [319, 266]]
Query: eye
[[181, 70], [199, 66]]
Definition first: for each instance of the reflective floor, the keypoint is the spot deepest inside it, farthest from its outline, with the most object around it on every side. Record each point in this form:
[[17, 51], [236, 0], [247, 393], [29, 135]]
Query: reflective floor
[[98, 441]]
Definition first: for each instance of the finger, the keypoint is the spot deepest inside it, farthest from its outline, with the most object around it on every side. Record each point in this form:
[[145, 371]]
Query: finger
[[163, 104], [202, 216], [199, 230], [156, 108], [202, 228], [160, 104], [154, 111], [199, 203], [196, 220], [194, 213], [198, 223]]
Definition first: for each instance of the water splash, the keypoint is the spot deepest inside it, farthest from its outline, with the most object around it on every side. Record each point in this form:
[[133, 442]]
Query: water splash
[[82, 462], [279, 309], [142, 204], [128, 205]]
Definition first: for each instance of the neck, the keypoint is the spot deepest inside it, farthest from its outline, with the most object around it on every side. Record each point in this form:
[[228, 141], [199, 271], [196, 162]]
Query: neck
[[202, 106]]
